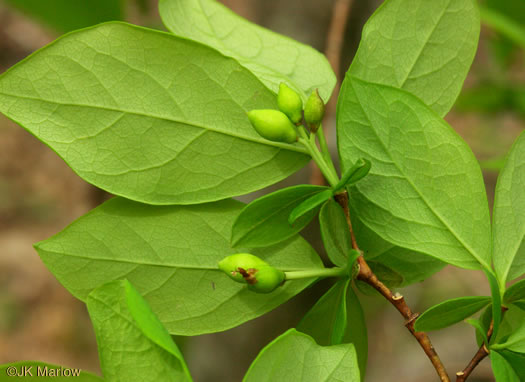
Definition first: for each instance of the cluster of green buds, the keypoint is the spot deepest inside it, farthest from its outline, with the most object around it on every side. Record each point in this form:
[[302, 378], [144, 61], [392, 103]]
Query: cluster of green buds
[[280, 125], [253, 271]]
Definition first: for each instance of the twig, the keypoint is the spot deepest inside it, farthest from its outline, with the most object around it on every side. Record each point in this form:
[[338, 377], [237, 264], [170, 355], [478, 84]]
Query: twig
[[461, 376], [334, 45], [398, 301]]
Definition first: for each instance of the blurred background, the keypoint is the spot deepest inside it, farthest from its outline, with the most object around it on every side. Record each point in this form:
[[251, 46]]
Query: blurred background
[[40, 195]]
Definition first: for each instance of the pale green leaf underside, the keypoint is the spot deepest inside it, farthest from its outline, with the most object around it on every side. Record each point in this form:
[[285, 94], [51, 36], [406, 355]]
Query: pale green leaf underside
[[273, 58], [148, 115], [425, 191], [170, 254], [295, 356], [132, 343], [412, 266], [502, 370], [509, 216], [42, 367], [424, 47]]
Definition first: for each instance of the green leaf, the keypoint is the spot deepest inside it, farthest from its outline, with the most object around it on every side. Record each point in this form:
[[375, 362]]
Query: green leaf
[[502, 370], [41, 371], [273, 58], [68, 15], [295, 356], [265, 220], [520, 304], [515, 292], [147, 115], [515, 341], [326, 321], [170, 254], [335, 233], [496, 301], [424, 47], [354, 174], [310, 204], [509, 216], [513, 320], [425, 190], [450, 312], [412, 266], [516, 361], [133, 345], [480, 329], [356, 332]]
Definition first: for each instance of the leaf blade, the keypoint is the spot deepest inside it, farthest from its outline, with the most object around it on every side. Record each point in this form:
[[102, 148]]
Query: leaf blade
[[424, 48], [170, 253], [408, 144], [182, 104], [308, 205], [335, 233], [256, 48], [450, 312], [312, 362]]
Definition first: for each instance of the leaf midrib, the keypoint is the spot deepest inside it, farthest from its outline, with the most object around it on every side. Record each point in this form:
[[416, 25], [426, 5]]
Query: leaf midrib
[[169, 119]]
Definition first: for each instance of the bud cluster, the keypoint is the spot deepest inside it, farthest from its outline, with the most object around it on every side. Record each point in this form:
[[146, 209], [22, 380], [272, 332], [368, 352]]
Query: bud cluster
[[280, 125]]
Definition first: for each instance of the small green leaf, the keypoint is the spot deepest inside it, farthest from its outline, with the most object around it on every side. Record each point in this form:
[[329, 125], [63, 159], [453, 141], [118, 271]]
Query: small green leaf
[[515, 292], [310, 204], [425, 182], [271, 57], [509, 216], [335, 233], [424, 47], [450, 312], [354, 174], [147, 115], [41, 371], [265, 220], [295, 354], [515, 341], [503, 371], [326, 321], [133, 345], [516, 361], [67, 15], [480, 330], [496, 302], [170, 254]]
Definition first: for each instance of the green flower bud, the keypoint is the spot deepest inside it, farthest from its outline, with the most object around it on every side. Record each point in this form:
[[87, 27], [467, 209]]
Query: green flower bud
[[314, 111], [290, 103], [273, 125], [249, 269]]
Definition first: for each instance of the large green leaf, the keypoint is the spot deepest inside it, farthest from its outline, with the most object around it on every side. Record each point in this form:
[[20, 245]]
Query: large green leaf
[[335, 233], [424, 47], [133, 345], [450, 312], [170, 254], [68, 15], [503, 371], [265, 220], [39, 371], [425, 190], [147, 115], [516, 361], [515, 341], [271, 57], [295, 356], [509, 216]]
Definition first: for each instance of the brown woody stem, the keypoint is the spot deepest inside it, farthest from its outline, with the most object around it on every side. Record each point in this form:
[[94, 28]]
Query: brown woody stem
[[398, 301]]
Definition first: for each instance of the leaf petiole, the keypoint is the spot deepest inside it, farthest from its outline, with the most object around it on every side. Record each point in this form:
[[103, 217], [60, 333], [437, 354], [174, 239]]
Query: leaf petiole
[[323, 272]]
